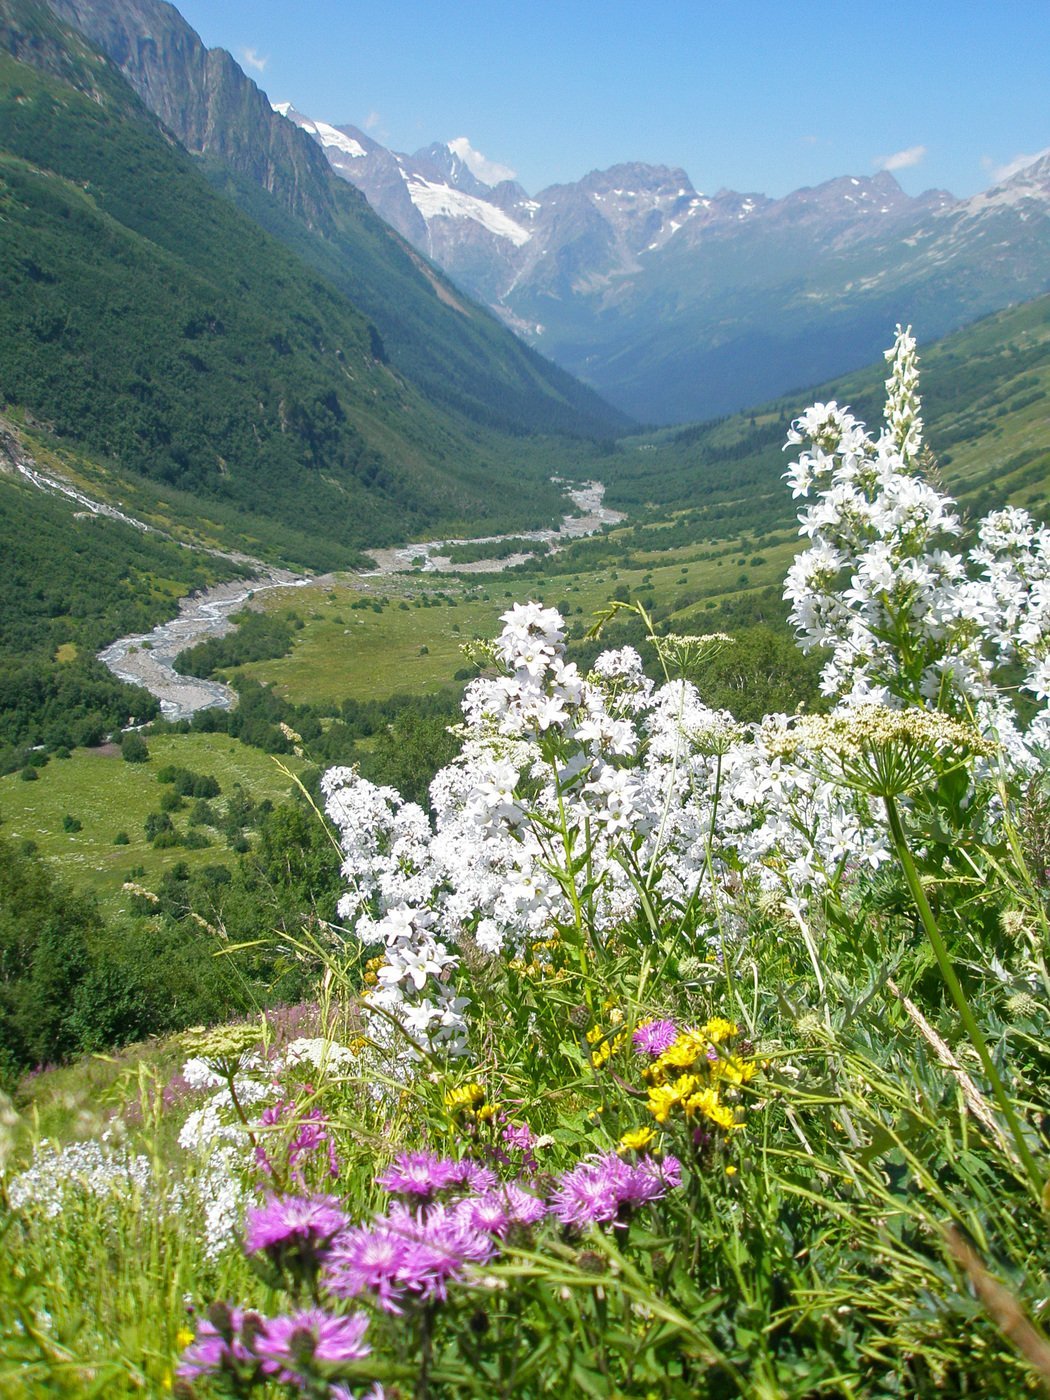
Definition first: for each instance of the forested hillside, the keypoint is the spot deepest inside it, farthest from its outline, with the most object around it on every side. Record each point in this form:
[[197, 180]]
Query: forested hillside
[[451, 349], [986, 406]]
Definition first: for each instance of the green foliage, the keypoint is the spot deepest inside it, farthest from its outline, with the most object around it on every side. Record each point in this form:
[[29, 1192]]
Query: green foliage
[[408, 752], [189, 784], [57, 996], [473, 551], [134, 749], [259, 637]]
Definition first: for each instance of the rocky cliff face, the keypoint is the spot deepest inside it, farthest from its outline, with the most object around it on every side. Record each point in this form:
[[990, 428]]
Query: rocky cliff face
[[204, 99]]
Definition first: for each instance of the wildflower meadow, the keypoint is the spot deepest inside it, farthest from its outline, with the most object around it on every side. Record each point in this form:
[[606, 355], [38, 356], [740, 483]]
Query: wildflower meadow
[[663, 1056]]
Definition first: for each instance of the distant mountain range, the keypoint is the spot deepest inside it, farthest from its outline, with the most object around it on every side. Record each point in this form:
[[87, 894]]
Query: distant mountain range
[[677, 305]]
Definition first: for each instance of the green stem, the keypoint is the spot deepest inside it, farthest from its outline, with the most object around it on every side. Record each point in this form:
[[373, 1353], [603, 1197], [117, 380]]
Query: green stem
[[973, 1030]]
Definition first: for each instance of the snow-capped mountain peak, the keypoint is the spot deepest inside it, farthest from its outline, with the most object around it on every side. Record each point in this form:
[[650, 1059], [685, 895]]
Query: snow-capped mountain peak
[[330, 137], [680, 304]]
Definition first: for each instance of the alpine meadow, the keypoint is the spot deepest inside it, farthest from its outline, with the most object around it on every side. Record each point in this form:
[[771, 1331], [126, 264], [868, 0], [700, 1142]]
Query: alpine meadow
[[512, 885]]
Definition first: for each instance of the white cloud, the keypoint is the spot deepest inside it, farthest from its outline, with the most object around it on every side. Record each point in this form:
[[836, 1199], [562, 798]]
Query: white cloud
[[251, 59], [999, 173], [372, 120], [487, 171], [901, 160]]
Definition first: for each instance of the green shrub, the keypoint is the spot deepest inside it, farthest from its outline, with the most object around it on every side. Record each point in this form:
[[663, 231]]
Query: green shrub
[[134, 749]]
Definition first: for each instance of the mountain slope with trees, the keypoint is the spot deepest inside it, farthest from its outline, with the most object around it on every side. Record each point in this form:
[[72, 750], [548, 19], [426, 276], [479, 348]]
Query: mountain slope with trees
[[456, 353]]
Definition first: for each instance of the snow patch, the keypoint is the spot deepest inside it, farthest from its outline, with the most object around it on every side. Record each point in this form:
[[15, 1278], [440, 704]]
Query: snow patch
[[442, 202], [331, 136]]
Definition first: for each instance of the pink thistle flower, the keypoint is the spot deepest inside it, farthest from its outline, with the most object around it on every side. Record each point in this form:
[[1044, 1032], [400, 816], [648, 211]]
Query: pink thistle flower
[[607, 1189], [498, 1212], [222, 1345], [654, 1037], [406, 1254], [294, 1347], [474, 1176], [302, 1223], [421, 1174]]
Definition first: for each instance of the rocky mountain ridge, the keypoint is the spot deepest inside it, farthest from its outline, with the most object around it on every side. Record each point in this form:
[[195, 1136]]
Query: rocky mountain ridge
[[638, 282]]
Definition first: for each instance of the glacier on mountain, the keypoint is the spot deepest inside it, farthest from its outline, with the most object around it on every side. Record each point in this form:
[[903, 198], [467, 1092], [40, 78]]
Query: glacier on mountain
[[442, 201]]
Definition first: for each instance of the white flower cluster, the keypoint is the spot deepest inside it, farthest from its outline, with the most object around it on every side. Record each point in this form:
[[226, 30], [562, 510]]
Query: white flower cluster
[[602, 782], [102, 1169], [906, 619], [217, 1139], [649, 790]]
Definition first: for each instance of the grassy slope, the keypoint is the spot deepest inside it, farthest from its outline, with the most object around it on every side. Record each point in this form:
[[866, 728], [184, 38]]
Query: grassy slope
[[986, 403], [108, 795]]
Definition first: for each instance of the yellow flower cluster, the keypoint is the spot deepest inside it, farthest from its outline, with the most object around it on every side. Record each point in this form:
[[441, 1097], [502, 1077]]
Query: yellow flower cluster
[[546, 958], [693, 1074], [637, 1140], [603, 1046], [468, 1101]]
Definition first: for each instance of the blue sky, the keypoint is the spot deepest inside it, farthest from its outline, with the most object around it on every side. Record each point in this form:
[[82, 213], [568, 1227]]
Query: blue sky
[[756, 95]]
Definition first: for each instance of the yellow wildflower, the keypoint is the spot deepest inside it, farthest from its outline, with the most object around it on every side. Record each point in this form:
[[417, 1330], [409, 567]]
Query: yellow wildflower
[[733, 1069], [718, 1029], [636, 1140], [663, 1098], [465, 1098], [604, 1052], [708, 1103], [684, 1053]]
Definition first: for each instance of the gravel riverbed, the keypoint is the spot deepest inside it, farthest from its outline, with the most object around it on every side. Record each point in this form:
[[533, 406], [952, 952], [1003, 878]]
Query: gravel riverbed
[[146, 659]]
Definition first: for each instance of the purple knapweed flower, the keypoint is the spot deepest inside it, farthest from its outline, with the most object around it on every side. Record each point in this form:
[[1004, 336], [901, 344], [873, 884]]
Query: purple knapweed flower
[[404, 1254], [497, 1212], [367, 1258], [585, 1196], [304, 1223], [419, 1174], [474, 1177], [222, 1344], [654, 1037], [606, 1189], [295, 1347]]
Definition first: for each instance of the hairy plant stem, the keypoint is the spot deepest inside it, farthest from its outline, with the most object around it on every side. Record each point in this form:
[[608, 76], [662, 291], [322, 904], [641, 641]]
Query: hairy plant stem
[[951, 981]]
